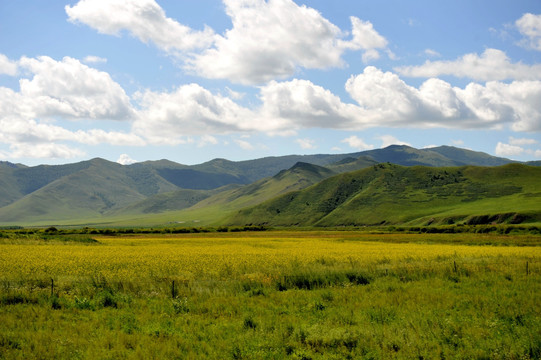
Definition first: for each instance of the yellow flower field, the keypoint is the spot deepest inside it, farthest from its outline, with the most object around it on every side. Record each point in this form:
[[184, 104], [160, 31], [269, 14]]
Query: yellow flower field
[[217, 256]]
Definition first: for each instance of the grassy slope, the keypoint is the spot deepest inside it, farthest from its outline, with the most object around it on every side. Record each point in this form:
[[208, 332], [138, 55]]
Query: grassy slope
[[393, 194], [92, 195], [214, 209], [87, 193]]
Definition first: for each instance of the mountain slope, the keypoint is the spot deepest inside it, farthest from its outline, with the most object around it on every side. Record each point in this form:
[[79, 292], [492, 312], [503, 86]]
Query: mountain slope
[[89, 189], [391, 194], [96, 188], [300, 176], [468, 157]]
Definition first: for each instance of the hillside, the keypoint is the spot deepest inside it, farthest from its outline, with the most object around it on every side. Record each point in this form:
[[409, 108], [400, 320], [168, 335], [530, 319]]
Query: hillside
[[392, 194], [99, 190]]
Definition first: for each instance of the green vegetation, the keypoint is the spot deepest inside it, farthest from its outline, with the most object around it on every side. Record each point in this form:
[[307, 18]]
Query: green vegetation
[[391, 194], [101, 192], [328, 295]]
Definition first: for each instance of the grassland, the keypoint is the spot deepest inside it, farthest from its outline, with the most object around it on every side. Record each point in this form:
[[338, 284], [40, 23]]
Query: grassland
[[271, 295]]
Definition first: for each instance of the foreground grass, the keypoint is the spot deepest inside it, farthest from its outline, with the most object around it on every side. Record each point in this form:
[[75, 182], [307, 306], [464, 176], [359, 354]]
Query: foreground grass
[[272, 295]]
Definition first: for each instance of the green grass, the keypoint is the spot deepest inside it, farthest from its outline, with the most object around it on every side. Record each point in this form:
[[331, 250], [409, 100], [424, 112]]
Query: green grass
[[390, 194], [448, 307]]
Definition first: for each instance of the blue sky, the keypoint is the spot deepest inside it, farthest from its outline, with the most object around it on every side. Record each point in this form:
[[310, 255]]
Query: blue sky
[[136, 80]]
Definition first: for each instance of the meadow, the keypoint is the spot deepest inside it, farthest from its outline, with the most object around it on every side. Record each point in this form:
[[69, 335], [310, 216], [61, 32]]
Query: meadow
[[271, 295]]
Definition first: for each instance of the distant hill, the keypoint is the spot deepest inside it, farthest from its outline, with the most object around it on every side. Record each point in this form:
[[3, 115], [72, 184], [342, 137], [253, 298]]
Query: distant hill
[[98, 190], [392, 194]]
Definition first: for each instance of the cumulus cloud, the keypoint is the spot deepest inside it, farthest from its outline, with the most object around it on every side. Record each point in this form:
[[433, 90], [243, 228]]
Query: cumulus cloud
[[99, 136], [143, 19], [521, 141], [169, 117], [53, 90], [508, 150], [382, 99], [388, 100], [365, 36], [306, 143], [432, 53], [357, 143], [518, 146], [529, 25], [244, 145], [492, 65], [7, 66], [207, 140], [125, 159], [71, 89], [300, 104], [92, 59], [387, 140], [271, 40], [44, 151], [268, 40]]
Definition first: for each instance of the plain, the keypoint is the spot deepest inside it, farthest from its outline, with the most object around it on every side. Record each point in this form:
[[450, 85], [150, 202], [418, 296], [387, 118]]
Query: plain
[[270, 295]]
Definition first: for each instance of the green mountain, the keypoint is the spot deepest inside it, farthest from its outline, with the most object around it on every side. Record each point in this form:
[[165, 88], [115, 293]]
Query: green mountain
[[300, 176], [169, 201], [101, 191], [76, 191], [392, 194], [436, 156]]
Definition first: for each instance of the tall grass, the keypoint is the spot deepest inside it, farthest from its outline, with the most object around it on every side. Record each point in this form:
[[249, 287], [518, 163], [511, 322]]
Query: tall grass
[[273, 296]]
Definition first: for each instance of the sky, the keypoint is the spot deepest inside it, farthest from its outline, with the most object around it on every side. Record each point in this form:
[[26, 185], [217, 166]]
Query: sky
[[194, 80]]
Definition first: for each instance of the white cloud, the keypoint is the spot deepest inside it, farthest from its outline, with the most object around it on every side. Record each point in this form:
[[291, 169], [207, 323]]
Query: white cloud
[[71, 89], [386, 100], [234, 94], [99, 136], [521, 141], [357, 143], [243, 144], [144, 19], [44, 151], [529, 25], [268, 40], [56, 90], [300, 104], [306, 143], [493, 64], [125, 159], [92, 59], [387, 140], [365, 37], [370, 55], [508, 150], [432, 53], [517, 147], [383, 99], [271, 40], [207, 140], [169, 117], [7, 67]]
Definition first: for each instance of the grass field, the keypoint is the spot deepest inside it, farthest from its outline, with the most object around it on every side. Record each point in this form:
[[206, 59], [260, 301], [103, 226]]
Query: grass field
[[271, 295]]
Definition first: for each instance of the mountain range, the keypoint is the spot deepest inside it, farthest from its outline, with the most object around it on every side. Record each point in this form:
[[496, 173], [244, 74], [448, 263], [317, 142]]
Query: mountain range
[[228, 192]]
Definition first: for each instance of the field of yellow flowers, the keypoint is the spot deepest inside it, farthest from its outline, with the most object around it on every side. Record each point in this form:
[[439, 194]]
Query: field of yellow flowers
[[272, 294], [222, 256]]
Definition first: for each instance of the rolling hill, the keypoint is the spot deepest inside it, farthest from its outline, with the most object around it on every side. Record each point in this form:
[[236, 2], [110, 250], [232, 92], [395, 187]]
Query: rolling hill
[[393, 194], [100, 191]]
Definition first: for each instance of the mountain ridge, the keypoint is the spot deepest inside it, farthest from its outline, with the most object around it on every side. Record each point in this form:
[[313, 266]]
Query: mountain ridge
[[98, 188]]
